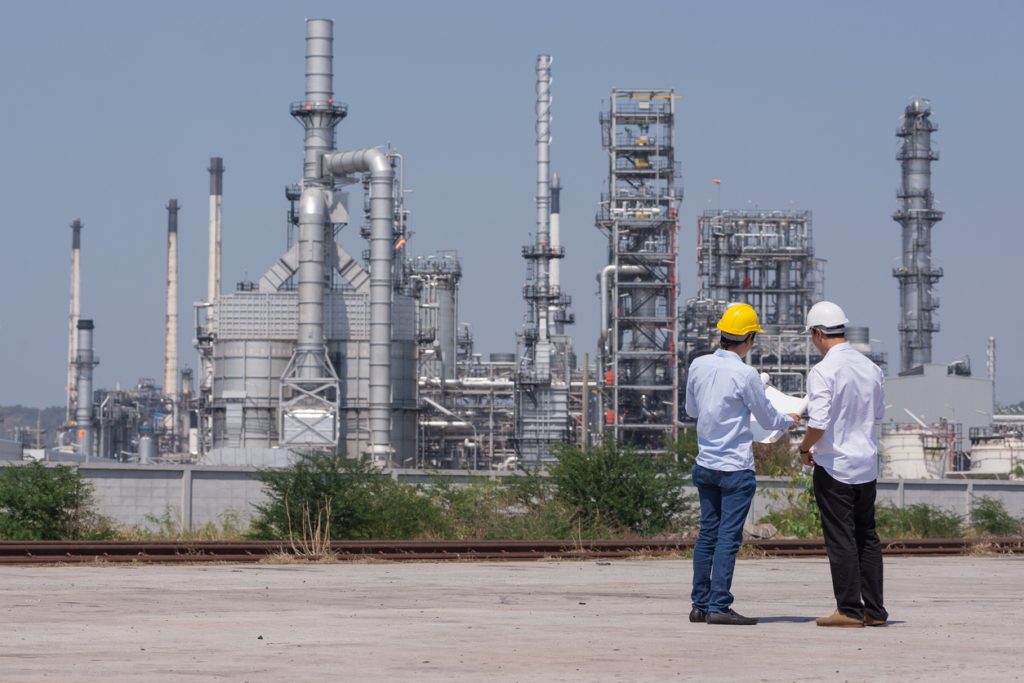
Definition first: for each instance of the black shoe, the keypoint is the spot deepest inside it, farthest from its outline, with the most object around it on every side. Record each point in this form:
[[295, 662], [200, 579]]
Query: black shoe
[[698, 616], [731, 618]]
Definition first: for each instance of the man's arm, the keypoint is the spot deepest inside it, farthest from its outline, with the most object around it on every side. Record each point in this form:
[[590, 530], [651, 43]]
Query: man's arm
[[761, 408], [691, 400], [811, 437], [819, 405], [880, 398]]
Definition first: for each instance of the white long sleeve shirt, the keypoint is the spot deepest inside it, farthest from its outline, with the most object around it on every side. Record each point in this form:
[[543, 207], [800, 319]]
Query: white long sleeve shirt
[[722, 392], [846, 398]]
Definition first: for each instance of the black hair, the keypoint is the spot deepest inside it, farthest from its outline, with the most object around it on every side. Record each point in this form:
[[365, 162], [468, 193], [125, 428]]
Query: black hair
[[835, 333], [727, 343]]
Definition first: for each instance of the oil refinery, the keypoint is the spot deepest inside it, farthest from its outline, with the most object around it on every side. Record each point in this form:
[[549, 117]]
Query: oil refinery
[[348, 341]]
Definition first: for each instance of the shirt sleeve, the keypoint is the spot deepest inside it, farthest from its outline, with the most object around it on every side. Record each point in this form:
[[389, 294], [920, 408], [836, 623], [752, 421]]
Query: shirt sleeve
[[819, 400], [691, 400], [760, 407], [880, 398]]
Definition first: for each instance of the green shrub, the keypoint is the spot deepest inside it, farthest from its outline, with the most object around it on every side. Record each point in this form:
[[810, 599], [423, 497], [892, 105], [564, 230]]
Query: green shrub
[[613, 486], [989, 517], [167, 527], [519, 508], [39, 503], [800, 517], [917, 521], [363, 503]]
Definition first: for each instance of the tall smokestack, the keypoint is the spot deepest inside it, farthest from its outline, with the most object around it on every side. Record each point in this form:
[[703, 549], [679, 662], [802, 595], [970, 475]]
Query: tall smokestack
[[171, 318], [216, 199], [76, 283], [84, 363], [916, 274], [543, 187], [310, 415]]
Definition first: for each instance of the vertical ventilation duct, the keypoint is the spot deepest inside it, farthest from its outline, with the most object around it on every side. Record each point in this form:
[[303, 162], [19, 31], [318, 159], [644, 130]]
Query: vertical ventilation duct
[[382, 202], [84, 363], [916, 274]]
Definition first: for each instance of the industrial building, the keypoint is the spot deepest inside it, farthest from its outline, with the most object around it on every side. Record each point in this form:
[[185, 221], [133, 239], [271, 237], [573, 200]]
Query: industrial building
[[349, 343]]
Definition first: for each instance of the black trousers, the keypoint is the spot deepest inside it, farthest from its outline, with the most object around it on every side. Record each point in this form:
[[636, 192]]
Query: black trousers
[[854, 551]]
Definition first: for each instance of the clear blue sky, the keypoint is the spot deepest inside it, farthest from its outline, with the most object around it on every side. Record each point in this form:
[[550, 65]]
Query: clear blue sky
[[111, 108]]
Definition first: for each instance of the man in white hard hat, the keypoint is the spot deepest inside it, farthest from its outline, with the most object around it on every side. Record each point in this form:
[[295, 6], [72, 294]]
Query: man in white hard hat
[[723, 393], [845, 401]]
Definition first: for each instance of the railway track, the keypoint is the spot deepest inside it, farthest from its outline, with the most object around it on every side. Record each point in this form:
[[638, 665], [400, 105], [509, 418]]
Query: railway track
[[67, 552]]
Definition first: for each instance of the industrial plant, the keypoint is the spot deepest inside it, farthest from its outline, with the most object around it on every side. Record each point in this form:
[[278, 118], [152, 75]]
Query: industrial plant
[[349, 343]]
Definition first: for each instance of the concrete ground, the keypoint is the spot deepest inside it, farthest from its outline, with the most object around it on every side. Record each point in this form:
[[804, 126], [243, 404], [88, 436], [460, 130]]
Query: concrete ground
[[952, 619]]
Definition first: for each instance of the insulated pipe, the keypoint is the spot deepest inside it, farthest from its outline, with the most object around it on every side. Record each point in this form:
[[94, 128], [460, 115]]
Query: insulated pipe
[[171, 317], [311, 278], [213, 256], [76, 284], [382, 202], [603, 279], [556, 238], [84, 363]]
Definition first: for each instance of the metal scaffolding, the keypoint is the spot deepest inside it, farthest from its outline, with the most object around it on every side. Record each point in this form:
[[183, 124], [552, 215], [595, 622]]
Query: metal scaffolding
[[638, 215], [765, 259]]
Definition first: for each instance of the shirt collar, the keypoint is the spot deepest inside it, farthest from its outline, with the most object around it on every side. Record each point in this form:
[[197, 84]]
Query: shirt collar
[[722, 353], [839, 347]]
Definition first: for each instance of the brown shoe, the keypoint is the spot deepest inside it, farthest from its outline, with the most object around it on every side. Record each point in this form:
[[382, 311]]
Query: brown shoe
[[871, 621], [839, 619]]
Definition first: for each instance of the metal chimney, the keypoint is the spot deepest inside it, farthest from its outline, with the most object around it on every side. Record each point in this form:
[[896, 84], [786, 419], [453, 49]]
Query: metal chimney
[[543, 188], [171, 317], [76, 283], [916, 274], [216, 200], [310, 386], [84, 363]]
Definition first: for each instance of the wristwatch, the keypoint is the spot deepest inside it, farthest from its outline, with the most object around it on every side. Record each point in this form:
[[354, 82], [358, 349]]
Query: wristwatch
[[803, 452]]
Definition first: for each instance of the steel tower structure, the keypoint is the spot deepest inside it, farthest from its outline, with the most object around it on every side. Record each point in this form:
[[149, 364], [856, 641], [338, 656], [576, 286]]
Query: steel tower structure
[[638, 214], [916, 274], [542, 382]]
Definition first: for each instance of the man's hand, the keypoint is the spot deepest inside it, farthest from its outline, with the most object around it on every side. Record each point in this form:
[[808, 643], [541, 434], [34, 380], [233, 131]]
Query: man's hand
[[807, 458], [796, 419]]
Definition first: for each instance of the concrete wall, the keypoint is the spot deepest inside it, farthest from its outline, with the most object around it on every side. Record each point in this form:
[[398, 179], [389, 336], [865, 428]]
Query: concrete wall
[[198, 495]]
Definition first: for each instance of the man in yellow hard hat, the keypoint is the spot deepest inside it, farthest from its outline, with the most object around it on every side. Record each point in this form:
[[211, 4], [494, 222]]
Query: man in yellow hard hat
[[722, 393]]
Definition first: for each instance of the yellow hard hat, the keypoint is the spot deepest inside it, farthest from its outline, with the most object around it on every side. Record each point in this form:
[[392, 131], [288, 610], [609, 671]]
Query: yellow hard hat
[[738, 321]]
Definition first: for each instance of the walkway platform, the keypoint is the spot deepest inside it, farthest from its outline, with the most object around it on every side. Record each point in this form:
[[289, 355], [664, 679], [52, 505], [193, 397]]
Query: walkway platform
[[953, 619]]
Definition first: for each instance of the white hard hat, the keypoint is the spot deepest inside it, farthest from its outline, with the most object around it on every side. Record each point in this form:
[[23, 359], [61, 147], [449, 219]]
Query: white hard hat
[[827, 315]]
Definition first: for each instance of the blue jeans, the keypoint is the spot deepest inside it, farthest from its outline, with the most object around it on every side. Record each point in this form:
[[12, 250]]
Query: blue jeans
[[724, 501]]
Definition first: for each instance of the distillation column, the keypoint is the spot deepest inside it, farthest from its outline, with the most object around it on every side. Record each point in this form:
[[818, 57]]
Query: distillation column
[[916, 274], [76, 284]]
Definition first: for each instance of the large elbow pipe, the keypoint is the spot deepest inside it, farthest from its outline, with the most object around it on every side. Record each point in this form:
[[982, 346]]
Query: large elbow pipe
[[602, 278], [382, 202]]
